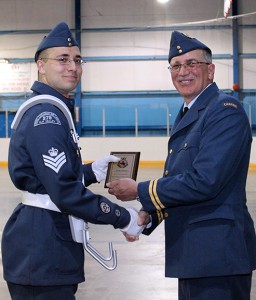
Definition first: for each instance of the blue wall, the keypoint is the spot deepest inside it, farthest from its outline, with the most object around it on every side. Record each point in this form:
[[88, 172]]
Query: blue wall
[[154, 111], [120, 113]]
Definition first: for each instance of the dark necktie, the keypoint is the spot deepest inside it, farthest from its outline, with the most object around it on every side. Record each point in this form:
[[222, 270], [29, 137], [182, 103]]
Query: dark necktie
[[185, 109]]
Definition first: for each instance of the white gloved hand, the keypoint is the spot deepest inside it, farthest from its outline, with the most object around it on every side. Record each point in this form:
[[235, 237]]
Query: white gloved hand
[[133, 228], [100, 166]]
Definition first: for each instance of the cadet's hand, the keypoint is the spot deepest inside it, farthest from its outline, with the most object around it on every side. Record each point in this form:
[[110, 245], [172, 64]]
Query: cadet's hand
[[124, 189], [130, 238], [143, 220], [100, 166], [133, 230]]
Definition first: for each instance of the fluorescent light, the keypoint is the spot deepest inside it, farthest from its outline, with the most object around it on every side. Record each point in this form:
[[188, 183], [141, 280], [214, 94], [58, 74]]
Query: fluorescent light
[[163, 1]]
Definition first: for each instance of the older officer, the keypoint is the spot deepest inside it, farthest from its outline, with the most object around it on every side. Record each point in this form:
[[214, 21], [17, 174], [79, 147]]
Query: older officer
[[40, 258], [209, 233]]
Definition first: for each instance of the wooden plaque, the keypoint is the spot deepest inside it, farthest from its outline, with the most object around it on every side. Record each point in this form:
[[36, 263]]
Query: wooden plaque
[[126, 167]]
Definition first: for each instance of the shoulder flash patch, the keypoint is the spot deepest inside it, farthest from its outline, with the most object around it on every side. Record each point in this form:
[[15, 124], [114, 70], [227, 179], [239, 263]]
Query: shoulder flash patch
[[47, 117], [230, 104]]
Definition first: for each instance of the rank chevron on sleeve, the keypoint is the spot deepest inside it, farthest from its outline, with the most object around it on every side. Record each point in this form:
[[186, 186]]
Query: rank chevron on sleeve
[[55, 163]]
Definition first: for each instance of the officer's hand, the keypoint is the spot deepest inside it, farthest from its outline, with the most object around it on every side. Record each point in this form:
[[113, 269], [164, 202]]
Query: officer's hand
[[124, 189], [144, 219], [133, 230], [100, 166]]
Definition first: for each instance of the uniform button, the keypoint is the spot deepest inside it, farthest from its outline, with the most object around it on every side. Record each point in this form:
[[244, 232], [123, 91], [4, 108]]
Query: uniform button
[[166, 172], [170, 151], [166, 215], [185, 145]]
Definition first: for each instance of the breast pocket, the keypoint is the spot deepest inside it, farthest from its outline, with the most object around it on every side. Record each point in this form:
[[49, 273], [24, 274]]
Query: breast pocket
[[189, 149]]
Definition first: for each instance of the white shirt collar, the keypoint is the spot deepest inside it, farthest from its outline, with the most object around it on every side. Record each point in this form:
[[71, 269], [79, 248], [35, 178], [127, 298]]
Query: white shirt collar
[[194, 100]]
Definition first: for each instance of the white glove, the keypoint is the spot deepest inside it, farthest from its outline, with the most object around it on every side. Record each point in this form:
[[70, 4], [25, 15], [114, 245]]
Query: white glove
[[133, 228], [100, 166]]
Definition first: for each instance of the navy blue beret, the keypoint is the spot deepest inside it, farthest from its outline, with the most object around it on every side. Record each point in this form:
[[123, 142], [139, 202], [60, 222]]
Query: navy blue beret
[[182, 43], [59, 36]]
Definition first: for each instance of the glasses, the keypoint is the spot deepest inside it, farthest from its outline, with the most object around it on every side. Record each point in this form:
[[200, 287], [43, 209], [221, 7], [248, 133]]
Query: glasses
[[190, 66], [67, 61]]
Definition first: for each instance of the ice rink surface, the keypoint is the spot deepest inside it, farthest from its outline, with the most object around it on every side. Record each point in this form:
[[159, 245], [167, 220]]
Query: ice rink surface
[[140, 270]]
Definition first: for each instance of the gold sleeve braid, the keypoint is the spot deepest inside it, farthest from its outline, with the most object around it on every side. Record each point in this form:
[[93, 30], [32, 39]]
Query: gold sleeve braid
[[155, 200]]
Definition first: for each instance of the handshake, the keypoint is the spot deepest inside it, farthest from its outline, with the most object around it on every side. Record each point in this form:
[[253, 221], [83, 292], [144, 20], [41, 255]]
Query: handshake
[[139, 221], [125, 190]]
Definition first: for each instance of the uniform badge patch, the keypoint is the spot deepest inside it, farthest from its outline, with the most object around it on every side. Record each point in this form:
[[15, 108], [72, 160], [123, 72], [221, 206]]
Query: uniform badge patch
[[230, 104], [47, 117], [54, 161], [105, 207]]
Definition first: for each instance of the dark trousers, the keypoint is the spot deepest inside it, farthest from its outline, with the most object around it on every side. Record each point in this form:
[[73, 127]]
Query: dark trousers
[[216, 288], [27, 292]]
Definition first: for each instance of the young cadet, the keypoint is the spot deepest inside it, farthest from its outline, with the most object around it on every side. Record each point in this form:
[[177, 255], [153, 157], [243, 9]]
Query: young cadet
[[210, 238], [40, 258]]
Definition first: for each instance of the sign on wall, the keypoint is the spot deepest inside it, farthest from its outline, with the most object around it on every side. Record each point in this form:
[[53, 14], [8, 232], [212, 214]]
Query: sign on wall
[[15, 78]]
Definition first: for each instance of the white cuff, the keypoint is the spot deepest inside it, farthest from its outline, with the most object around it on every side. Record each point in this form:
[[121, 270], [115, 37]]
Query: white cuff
[[133, 228]]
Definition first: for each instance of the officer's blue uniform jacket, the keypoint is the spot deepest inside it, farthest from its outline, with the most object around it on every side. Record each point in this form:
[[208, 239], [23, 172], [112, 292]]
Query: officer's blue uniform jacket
[[201, 196], [37, 246]]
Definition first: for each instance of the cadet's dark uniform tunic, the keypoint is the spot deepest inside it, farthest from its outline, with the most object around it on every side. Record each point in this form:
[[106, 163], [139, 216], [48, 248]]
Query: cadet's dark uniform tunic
[[37, 246], [201, 196]]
